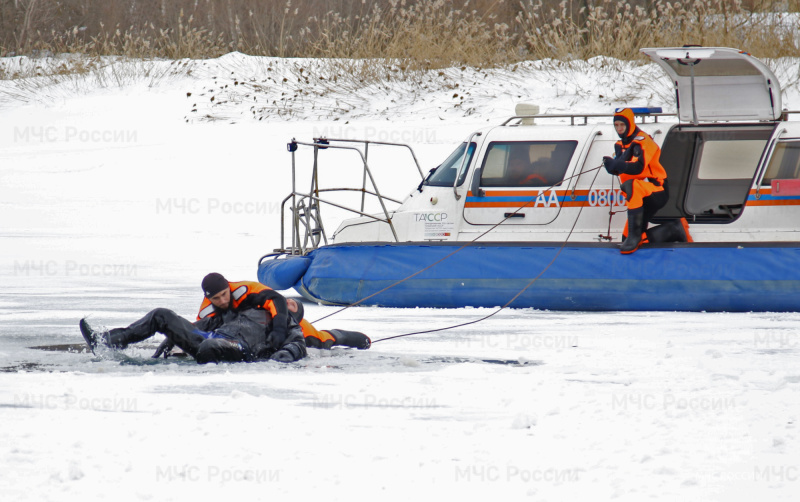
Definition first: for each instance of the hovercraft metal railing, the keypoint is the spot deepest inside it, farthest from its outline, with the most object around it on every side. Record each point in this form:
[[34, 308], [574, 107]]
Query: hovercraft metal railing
[[305, 207], [641, 113], [522, 120]]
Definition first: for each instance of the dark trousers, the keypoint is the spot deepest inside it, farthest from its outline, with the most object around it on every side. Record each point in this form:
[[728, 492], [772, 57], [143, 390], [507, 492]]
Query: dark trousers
[[182, 333], [653, 203], [650, 203]]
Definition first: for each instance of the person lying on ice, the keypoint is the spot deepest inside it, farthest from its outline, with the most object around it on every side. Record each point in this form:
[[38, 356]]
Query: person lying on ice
[[325, 339], [643, 180], [318, 339], [243, 321]]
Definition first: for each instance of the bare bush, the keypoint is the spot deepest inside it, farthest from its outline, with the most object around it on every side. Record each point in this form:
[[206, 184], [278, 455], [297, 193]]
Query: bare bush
[[430, 32], [618, 29], [419, 33]]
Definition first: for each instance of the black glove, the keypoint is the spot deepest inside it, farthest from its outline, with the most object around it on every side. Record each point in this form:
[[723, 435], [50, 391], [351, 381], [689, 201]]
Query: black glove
[[165, 348], [283, 356], [610, 165], [275, 340]]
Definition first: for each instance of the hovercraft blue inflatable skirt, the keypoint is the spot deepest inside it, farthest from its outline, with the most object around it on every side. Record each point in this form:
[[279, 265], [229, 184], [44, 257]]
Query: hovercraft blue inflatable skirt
[[283, 273], [730, 277]]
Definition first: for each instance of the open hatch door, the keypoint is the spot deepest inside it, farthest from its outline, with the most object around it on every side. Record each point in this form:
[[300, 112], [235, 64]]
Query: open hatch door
[[719, 84]]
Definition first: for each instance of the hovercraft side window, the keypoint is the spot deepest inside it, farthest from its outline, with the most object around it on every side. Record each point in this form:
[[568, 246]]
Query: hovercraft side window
[[784, 163], [725, 162], [526, 163], [445, 174]]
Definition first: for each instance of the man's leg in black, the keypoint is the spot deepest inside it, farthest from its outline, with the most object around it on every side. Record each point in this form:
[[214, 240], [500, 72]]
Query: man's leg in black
[[353, 339], [652, 203], [667, 232], [179, 330]]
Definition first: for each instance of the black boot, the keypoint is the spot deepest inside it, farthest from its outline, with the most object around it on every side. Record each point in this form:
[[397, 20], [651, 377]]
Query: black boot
[[93, 338], [636, 225], [350, 339], [668, 232], [117, 338]]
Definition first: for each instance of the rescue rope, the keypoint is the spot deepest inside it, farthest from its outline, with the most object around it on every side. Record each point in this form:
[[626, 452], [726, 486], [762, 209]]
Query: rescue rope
[[563, 245], [530, 283], [611, 212]]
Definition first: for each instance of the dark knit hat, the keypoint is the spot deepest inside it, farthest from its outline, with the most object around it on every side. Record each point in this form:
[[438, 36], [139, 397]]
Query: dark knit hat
[[213, 283], [298, 316]]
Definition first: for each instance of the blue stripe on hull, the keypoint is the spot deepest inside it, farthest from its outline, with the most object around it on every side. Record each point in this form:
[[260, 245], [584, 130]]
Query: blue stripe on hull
[[584, 277]]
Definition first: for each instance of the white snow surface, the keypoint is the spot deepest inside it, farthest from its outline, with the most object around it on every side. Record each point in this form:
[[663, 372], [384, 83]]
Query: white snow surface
[[118, 198]]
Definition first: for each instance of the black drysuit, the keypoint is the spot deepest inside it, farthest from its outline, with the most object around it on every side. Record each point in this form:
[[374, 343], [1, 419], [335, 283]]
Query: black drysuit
[[248, 334]]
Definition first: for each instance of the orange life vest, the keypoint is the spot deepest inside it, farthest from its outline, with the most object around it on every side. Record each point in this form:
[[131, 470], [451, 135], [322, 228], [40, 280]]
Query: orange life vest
[[241, 290], [650, 151], [239, 293]]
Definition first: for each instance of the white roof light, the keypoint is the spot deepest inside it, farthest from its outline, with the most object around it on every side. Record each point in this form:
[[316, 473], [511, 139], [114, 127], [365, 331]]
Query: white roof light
[[526, 109]]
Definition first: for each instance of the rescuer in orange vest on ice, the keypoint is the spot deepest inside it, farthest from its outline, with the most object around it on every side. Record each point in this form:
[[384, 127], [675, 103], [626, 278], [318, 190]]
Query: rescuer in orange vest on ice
[[242, 321], [221, 295], [238, 321], [643, 180]]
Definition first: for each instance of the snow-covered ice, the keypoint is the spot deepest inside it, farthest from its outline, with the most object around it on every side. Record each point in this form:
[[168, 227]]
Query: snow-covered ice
[[117, 200]]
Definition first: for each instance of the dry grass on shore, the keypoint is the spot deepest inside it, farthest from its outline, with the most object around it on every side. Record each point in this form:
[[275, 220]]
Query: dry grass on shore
[[423, 33]]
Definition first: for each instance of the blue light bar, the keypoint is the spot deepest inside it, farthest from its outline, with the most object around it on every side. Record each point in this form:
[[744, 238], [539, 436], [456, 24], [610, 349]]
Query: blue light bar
[[642, 110]]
